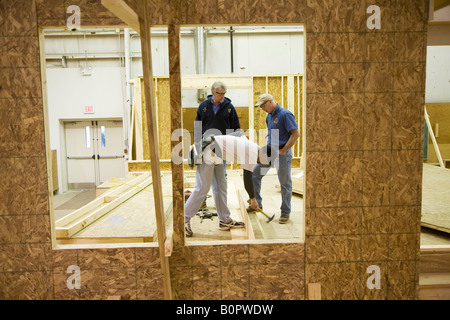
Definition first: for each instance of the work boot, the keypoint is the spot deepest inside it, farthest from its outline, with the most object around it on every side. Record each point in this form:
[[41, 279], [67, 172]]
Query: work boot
[[283, 219], [187, 227], [232, 224]]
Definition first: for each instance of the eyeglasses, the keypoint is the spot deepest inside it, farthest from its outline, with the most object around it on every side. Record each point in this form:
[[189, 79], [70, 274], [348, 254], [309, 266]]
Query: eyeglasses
[[263, 105], [220, 93]]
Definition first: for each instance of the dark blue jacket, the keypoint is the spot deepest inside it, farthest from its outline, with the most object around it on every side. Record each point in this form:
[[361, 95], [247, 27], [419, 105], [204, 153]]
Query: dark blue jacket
[[225, 118]]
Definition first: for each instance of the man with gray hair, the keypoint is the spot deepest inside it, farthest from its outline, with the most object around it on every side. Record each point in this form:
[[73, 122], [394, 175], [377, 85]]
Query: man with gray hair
[[217, 116], [216, 113]]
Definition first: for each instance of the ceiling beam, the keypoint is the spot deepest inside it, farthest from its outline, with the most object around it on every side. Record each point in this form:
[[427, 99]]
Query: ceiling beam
[[123, 12]]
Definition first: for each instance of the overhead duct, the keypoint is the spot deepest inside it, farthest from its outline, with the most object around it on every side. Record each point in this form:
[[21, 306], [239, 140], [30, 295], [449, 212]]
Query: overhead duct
[[231, 49], [200, 43]]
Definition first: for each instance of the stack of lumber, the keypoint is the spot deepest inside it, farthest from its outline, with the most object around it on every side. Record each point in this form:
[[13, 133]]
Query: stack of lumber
[[76, 221], [436, 198], [434, 279]]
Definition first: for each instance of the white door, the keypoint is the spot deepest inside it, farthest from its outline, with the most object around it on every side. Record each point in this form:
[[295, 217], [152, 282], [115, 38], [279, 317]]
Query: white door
[[111, 160], [94, 152]]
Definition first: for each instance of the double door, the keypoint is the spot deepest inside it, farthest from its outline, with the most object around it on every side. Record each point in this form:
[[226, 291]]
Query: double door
[[95, 152]]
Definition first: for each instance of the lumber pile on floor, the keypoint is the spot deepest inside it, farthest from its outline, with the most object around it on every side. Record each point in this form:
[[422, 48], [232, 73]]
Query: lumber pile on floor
[[68, 226], [434, 278], [436, 198], [239, 211]]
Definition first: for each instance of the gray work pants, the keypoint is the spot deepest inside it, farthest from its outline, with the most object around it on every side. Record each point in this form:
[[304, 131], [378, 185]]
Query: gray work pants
[[207, 176]]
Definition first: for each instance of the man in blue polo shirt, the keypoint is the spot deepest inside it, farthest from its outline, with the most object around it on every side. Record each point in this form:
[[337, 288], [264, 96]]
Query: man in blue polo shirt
[[282, 135]]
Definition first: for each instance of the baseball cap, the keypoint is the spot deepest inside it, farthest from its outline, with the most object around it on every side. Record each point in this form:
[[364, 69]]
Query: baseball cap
[[263, 99]]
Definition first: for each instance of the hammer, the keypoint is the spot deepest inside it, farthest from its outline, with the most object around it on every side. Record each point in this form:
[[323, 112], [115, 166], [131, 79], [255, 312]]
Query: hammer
[[269, 218]]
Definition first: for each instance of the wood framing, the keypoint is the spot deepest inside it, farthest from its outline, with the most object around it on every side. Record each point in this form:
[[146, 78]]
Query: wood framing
[[435, 198], [248, 233], [123, 11], [149, 92], [74, 222], [433, 139], [176, 126], [314, 291], [364, 120], [285, 88]]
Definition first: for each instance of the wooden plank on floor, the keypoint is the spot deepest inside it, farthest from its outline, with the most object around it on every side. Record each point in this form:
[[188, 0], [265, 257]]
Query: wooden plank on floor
[[133, 218], [434, 286], [237, 206], [74, 226], [436, 198], [99, 201]]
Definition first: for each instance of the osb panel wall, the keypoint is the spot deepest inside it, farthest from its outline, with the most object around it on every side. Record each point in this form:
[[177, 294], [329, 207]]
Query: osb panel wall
[[365, 95], [364, 123]]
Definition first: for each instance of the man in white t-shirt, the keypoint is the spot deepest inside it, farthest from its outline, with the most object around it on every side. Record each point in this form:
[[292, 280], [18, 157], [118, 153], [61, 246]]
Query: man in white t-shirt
[[234, 147]]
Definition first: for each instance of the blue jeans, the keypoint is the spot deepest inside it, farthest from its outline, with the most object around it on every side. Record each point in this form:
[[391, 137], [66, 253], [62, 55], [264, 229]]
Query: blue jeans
[[283, 164]]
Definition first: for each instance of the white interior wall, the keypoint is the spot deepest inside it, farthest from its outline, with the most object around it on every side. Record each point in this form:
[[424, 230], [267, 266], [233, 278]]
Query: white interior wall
[[254, 53], [69, 92], [103, 55], [437, 87]]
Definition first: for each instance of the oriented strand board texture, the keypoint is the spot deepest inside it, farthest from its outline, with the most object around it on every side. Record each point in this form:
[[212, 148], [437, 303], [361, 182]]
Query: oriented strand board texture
[[364, 119], [254, 271], [364, 127]]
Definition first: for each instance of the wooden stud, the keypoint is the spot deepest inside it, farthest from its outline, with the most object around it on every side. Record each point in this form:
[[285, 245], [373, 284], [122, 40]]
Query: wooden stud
[[149, 92], [46, 132], [436, 147], [251, 113], [299, 103], [168, 244], [291, 96], [176, 116], [139, 140]]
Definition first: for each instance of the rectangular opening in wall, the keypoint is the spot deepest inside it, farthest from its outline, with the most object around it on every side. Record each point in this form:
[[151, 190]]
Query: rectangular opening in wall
[[87, 87], [249, 61], [121, 206]]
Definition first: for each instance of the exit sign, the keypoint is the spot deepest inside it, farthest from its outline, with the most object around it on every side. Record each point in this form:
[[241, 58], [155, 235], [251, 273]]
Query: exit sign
[[88, 109]]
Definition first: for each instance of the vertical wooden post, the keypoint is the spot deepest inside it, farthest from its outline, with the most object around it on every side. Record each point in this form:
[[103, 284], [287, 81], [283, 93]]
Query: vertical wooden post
[[176, 116], [149, 92], [433, 139], [314, 291]]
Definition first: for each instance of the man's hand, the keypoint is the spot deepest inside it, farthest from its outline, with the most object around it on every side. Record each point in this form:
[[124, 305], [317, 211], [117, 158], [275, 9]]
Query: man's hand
[[292, 139], [253, 204]]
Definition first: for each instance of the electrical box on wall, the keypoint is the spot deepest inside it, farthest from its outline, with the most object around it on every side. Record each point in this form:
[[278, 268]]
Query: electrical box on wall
[[86, 71]]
